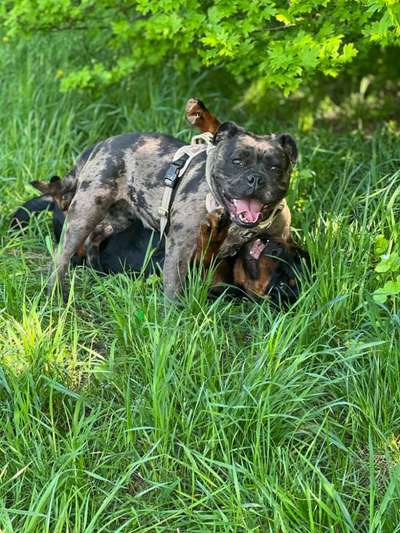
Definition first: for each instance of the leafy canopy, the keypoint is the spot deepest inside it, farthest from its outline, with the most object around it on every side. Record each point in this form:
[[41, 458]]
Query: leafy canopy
[[281, 43]]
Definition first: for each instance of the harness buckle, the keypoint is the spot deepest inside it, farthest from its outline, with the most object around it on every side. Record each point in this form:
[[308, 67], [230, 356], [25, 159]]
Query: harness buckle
[[172, 174]]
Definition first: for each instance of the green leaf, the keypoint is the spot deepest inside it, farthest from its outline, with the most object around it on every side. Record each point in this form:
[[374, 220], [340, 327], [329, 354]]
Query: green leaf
[[388, 263], [381, 245], [285, 45], [379, 297], [390, 288]]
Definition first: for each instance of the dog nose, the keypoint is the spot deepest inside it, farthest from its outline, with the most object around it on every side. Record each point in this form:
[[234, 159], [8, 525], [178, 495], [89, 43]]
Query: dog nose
[[252, 181]]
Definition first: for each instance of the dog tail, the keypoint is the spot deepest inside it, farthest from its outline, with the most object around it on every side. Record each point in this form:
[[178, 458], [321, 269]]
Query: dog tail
[[24, 213]]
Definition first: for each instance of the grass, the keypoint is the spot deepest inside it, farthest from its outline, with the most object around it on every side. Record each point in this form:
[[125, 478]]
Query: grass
[[215, 416]]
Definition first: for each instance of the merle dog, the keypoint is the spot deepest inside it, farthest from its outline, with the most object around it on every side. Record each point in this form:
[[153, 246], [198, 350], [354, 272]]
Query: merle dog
[[249, 175]]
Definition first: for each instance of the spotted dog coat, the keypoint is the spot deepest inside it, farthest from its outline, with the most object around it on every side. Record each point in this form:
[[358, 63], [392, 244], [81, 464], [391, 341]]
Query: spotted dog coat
[[128, 170]]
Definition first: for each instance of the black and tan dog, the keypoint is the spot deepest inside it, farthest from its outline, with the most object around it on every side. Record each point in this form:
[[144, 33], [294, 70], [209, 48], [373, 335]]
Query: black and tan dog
[[262, 268], [249, 175]]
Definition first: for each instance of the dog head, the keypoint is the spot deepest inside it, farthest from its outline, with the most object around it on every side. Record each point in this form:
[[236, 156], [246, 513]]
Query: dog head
[[250, 173], [270, 269]]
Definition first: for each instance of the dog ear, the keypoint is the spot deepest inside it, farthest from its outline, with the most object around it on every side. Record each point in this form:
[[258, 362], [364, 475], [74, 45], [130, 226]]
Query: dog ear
[[289, 145], [200, 117], [42, 186], [52, 187], [225, 131]]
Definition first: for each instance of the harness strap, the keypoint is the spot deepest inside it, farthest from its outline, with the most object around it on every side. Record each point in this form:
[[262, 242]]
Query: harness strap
[[170, 180], [266, 224], [211, 152], [182, 159]]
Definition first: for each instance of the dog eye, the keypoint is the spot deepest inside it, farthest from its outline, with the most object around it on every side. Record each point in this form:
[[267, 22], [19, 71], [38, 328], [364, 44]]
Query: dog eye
[[239, 162]]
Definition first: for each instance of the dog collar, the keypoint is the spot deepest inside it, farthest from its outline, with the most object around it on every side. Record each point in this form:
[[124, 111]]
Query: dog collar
[[238, 235]]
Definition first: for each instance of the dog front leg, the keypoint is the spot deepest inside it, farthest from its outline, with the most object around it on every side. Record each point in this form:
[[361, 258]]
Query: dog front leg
[[176, 264]]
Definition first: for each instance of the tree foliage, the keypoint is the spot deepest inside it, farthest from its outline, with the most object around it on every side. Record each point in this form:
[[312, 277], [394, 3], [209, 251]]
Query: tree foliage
[[283, 44]]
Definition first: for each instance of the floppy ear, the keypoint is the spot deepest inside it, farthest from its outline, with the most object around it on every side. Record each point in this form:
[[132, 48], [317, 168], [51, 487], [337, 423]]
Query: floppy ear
[[289, 145], [225, 131]]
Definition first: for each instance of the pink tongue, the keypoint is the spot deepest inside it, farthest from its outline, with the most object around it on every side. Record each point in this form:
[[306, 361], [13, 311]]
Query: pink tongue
[[248, 209]]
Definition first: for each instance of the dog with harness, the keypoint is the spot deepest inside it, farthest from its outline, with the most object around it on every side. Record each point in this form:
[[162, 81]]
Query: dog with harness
[[244, 174], [262, 268]]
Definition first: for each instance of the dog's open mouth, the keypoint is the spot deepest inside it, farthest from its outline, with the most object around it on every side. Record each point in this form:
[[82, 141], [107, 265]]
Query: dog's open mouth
[[247, 211]]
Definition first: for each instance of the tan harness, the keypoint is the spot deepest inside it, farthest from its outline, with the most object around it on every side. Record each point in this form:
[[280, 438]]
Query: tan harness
[[199, 145]]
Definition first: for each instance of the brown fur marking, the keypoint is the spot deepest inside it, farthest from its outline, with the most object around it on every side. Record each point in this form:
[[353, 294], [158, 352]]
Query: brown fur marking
[[200, 117]]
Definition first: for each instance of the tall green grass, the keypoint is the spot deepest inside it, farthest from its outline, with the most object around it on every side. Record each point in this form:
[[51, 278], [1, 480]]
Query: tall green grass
[[215, 416]]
